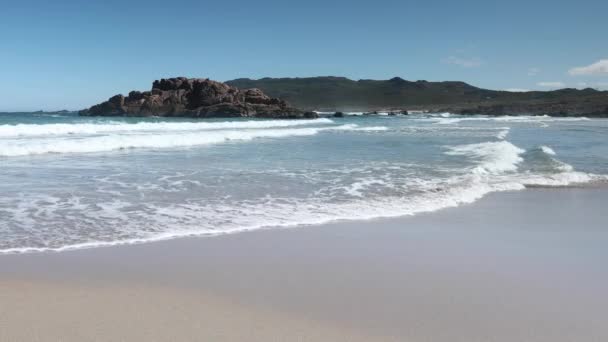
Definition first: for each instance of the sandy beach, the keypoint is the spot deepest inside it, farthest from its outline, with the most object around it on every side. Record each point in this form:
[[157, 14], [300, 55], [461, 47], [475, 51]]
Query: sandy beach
[[514, 266]]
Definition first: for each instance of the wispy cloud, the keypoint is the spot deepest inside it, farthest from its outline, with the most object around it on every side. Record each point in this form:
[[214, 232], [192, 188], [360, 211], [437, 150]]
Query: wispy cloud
[[517, 90], [472, 62], [551, 84], [533, 71], [597, 68]]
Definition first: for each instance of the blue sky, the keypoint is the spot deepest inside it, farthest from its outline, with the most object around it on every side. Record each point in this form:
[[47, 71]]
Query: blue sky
[[72, 54]]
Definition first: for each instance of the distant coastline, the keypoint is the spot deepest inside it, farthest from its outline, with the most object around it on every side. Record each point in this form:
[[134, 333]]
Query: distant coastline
[[63, 111], [303, 97], [395, 95]]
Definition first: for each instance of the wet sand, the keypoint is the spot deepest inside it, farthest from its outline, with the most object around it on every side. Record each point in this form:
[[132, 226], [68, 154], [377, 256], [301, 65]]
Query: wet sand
[[517, 266]]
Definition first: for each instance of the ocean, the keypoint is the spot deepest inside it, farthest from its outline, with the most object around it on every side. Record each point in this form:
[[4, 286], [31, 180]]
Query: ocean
[[69, 182]]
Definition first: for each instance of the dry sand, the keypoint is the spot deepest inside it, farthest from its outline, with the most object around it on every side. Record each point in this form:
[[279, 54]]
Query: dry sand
[[134, 312], [520, 266]]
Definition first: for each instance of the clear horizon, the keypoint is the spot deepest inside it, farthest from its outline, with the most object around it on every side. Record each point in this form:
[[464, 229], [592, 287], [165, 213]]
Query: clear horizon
[[71, 54]]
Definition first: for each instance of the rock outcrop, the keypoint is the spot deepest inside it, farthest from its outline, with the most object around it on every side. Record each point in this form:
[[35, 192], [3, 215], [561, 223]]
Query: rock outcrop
[[195, 97]]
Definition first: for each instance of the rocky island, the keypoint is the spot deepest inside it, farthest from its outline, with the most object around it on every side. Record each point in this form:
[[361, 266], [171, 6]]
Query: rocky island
[[196, 97]]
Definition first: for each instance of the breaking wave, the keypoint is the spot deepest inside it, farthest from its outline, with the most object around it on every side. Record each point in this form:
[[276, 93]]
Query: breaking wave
[[449, 120], [27, 130], [168, 139], [548, 150], [399, 170], [496, 169], [494, 157]]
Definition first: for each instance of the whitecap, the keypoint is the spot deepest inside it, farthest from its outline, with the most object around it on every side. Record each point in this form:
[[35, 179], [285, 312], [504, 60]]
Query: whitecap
[[495, 157], [548, 150], [89, 144], [27, 130]]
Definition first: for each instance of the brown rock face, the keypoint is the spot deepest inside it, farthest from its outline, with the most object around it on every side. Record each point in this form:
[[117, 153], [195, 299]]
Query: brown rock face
[[195, 97]]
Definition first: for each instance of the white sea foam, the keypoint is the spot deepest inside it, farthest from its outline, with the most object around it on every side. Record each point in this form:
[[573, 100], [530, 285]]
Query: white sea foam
[[202, 218], [560, 165], [502, 135], [123, 208], [370, 129], [494, 157], [26, 130], [21, 147], [515, 119], [548, 150], [356, 188], [565, 178]]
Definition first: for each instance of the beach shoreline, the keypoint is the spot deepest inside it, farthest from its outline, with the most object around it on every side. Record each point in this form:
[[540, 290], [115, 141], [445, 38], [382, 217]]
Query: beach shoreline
[[523, 265]]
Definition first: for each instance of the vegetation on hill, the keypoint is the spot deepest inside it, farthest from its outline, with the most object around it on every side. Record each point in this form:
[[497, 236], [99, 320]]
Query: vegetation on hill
[[342, 94]]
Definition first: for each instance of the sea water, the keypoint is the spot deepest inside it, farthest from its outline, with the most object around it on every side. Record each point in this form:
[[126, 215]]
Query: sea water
[[75, 182]]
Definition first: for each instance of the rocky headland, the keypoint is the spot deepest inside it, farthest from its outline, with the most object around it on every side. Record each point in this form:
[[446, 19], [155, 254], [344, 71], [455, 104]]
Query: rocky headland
[[196, 97]]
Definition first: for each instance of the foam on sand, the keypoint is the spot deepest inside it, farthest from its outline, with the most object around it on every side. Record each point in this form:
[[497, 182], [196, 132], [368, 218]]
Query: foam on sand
[[495, 171], [201, 218]]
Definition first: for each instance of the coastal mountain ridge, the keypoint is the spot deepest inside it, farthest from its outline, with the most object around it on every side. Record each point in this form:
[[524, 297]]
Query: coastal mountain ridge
[[299, 97], [331, 93]]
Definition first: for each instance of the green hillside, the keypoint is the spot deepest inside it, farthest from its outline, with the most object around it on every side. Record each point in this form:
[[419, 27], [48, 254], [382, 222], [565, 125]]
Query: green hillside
[[339, 93]]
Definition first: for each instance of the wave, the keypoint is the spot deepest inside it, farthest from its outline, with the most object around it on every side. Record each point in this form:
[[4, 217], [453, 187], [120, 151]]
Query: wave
[[547, 156], [202, 218], [370, 129], [498, 158], [502, 135], [562, 179], [276, 213], [375, 191], [26, 130], [495, 157], [548, 150], [515, 119], [19, 147]]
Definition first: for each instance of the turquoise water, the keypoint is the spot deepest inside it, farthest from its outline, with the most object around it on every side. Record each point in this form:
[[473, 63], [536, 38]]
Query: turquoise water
[[74, 182]]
